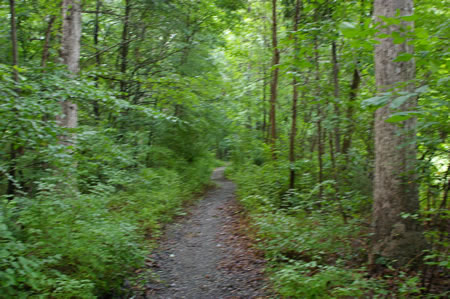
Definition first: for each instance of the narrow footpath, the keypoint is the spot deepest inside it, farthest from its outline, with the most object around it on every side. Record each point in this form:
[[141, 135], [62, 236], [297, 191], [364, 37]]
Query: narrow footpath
[[205, 255]]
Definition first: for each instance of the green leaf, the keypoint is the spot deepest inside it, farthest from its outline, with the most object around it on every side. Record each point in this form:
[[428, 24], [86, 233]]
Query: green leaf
[[397, 102], [397, 38], [422, 89], [404, 57], [383, 35], [402, 116], [445, 264], [390, 20], [443, 80], [349, 29], [421, 33], [398, 118], [376, 101], [410, 18], [347, 25]]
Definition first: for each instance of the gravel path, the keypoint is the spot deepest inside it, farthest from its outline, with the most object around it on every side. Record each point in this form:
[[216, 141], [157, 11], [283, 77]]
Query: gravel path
[[205, 255]]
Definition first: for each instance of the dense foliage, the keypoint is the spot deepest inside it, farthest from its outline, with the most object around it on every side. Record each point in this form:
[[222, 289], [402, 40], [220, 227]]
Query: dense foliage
[[166, 88], [76, 219], [317, 235]]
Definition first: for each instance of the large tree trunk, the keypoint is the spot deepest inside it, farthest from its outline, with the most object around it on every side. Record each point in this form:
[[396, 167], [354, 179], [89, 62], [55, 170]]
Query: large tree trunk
[[274, 83], [395, 192], [70, 53]]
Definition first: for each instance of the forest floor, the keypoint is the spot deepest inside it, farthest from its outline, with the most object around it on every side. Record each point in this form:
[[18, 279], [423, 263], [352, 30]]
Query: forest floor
[[207, 254]]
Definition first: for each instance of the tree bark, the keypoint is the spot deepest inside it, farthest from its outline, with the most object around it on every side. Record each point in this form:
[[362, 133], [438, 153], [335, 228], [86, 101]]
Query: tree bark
[[14, 152], [294, 101], [346, 144], [395, 192], [125, 46], [320, 147], [320, 152], [70, 45], [274, 83], [266, 125], [98, 59], [354, 87], [336, 181], [48, 34], [70, 53], [264, 100], [15, 52], [337, 113]]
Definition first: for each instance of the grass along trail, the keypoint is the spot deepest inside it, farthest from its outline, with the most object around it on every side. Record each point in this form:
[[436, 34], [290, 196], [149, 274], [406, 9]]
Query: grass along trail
[[204, 255]]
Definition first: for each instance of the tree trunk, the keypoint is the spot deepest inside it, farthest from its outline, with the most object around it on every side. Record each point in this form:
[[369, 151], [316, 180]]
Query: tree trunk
[[320, 148], [337, 113], [125, 46], [264, 100], [336, 180], [266, 126], [11, 189], [70, 53], [294, 101], [349, 113], [354, 87], [15, 52], [395, 192], [320, 152], [274, 83], [46, 47], [98, 59], [266, 122]]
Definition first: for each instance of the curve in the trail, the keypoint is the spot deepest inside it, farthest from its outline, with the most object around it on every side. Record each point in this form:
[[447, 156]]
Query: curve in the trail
[[201, 257]]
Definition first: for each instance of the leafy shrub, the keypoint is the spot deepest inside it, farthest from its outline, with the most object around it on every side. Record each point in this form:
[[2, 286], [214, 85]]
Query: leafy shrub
[[312, 280], [312, 251], [18, 273], [92, 245], [68, 244], [308, 244]]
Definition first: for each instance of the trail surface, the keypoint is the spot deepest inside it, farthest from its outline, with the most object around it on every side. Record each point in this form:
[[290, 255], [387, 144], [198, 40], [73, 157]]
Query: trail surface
[[205, 255]]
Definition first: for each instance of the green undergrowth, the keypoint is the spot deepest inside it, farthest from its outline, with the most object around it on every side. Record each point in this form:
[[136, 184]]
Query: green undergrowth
[[64, 243], [312, 251]]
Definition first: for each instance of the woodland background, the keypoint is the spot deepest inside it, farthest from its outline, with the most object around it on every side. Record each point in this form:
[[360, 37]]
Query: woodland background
[[163, 90]]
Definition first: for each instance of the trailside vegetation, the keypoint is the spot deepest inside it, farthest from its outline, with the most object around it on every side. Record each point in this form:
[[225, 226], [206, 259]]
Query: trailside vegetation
[[107, 126], [350, 200], [333, 114]]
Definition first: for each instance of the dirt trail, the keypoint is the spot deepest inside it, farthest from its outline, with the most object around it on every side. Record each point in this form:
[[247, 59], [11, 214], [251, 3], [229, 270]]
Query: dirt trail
[[203, 256]]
